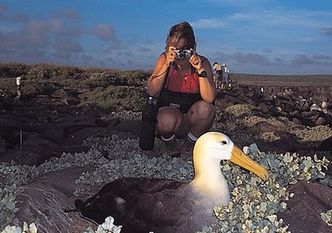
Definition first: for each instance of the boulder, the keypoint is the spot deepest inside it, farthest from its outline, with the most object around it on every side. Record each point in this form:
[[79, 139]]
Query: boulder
[[326, 145], [303, 210], [320, 121]]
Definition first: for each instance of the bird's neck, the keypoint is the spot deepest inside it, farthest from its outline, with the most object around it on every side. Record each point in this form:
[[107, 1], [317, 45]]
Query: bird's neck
[[209, 180]]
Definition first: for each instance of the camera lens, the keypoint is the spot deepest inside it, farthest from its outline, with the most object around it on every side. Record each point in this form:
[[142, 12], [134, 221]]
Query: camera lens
[[180, 54]]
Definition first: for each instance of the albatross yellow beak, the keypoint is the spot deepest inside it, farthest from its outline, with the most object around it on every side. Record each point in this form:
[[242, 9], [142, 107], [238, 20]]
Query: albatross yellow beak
[[239, 158]]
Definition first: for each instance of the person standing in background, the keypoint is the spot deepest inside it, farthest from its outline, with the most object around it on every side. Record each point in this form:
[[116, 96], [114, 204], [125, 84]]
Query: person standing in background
[[217, 74], [225, 76], [19, 89]]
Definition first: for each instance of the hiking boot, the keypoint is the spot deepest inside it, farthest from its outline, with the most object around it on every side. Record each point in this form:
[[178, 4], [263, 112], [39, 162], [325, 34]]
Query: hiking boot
[[169, 146], [191, 138], [187, 149], [168, 140]]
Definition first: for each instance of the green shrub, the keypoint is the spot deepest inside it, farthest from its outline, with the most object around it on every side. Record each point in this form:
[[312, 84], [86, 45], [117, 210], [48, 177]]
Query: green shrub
[[115, 98]]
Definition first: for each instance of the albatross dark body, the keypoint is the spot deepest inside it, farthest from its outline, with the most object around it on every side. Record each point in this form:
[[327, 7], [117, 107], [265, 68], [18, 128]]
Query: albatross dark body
[[144, 205]]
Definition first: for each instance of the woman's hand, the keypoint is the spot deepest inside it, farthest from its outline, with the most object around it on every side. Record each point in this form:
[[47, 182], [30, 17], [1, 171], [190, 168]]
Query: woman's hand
[[196, 61], [170, 55]]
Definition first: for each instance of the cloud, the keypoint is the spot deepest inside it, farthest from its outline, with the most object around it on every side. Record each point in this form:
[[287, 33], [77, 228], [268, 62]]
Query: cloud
[[249, 58], [241, 16], [34, 54], [327, 31], [86, 58], [2, 9], [59, 27], [267, 50], [68, 14], [208, 23], [280, 17], [300, 60], [67, 44], [116, 45], [242, 62], [21, 18], [53, 37], [269, 63], [303, 60], [144, 49], [322, 57], [105, 32], [37, 34], [3, 15], [239, 3], [31, 36], [39, 40]]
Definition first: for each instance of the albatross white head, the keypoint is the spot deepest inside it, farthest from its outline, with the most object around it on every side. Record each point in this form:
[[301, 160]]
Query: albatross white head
[[209, 150]]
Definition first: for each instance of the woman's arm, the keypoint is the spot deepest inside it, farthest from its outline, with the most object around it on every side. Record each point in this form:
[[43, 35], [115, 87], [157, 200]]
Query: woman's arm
[[158, 77], [206, 85]]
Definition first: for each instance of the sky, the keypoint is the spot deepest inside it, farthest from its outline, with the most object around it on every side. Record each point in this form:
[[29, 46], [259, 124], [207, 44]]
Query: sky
[[250, 36]]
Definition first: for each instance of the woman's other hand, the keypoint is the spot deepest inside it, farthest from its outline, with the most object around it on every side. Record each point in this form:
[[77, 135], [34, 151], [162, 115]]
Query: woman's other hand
[[196, 61]]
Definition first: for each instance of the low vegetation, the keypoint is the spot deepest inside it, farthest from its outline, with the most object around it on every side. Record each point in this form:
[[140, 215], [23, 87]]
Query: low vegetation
[[117, 90], [110, 89]]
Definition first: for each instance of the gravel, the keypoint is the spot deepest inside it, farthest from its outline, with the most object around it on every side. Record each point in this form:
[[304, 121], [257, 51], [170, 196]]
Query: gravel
[[254, 203]]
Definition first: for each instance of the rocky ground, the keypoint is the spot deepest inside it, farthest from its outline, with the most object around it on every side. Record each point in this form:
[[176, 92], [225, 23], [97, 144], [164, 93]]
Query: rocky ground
[[68, 111]]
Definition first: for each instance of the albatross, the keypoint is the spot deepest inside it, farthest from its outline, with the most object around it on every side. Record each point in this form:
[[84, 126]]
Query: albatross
[[162, 205]]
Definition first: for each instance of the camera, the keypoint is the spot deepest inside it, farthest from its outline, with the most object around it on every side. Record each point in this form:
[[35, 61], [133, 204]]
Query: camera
[[183, 54]]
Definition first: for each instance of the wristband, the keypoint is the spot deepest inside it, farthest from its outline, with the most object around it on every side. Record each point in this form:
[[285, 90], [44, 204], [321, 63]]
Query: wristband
[[202, 74]]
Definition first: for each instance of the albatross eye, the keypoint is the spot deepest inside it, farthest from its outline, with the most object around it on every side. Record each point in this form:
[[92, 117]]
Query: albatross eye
[[223, 142]]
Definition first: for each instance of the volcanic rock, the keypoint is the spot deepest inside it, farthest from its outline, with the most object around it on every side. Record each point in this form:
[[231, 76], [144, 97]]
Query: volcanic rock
[[303, 210]]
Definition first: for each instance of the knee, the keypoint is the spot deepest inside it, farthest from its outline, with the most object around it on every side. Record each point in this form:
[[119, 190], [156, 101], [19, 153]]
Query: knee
[[167, 122], [204, 110]]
